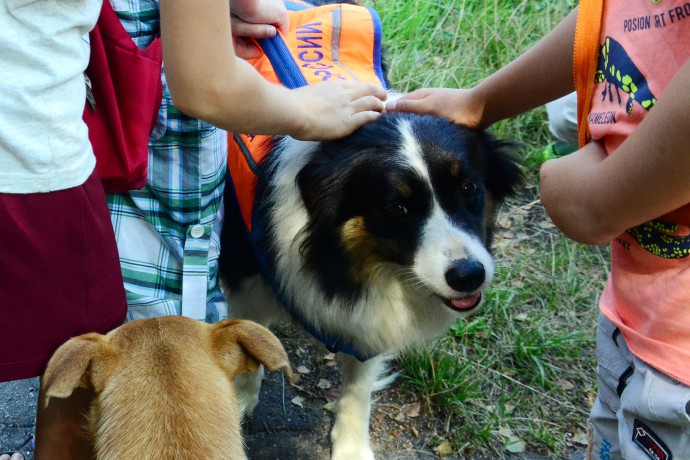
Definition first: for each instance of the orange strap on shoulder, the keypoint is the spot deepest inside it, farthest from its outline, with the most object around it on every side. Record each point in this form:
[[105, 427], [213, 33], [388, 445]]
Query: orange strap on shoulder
[[585, 57]]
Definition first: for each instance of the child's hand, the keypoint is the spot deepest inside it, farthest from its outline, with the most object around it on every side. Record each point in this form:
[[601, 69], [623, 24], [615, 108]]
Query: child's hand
[[456, 105], [252, 19], [243, 34], [336, 109], [271, 12]]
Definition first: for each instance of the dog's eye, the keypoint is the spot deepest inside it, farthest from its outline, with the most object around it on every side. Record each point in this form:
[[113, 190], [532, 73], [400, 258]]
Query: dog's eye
[[469, 189], [397, 210]]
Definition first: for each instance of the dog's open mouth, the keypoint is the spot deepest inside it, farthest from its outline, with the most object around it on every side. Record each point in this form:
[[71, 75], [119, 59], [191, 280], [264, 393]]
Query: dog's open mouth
[[463, 304]]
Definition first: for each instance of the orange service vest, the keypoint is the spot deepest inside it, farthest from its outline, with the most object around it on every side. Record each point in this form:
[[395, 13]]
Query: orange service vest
[[328, 42]]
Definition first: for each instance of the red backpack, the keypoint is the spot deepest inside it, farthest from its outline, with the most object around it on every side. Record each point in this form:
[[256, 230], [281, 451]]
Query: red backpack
[[123, 102]]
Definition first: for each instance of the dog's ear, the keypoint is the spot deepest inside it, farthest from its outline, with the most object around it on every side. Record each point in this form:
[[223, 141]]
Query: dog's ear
[[503, 168], [70, 366], [502, 177], [243, 345]]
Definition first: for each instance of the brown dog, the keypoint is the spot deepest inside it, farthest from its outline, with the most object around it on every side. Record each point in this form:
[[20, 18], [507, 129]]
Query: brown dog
[[163, 387]]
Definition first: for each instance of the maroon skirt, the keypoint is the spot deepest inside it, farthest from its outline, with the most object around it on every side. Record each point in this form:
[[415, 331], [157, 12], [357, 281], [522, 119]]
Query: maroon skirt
[[59, 274]]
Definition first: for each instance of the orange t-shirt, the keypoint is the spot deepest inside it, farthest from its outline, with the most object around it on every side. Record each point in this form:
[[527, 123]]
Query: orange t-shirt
[[643, 44]]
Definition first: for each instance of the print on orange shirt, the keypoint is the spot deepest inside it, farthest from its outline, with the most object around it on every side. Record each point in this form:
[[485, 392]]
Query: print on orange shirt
[[617, 70]]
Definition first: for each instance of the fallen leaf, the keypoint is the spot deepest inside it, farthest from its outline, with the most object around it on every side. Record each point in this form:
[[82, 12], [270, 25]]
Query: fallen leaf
[[564, 384], [399, 417], [515, 445], [504, 221], [415, 432], [444, 449], [324, 384], [580, 437], [298, 401], [546, 224], [517, 283], [303, 370], [412, 411], [510, 372], [331, 407], [591, 397], [511, 443]]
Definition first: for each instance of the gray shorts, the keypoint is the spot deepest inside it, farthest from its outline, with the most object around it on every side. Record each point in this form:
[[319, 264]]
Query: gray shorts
[[639, 413]]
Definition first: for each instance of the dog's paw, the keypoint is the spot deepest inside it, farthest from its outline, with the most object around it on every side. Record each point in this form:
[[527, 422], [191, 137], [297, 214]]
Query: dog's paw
[[353, 453], [349, 444]]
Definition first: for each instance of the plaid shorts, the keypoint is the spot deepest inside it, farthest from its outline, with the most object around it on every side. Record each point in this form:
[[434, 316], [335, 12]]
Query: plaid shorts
[[640, 413]]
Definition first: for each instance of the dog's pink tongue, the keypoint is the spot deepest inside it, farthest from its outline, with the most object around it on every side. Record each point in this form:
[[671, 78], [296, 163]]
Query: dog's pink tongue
[[465, 302]]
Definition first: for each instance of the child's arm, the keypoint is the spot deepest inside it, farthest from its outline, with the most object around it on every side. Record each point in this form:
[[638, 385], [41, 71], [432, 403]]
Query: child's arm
[[208, 81], [540, 75], [593, 198]]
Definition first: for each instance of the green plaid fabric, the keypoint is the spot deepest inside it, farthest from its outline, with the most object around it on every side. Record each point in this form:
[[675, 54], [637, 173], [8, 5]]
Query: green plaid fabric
[[168, 234]]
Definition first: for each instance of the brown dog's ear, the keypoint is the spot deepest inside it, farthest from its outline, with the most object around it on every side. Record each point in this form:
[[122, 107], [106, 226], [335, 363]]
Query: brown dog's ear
[[243, 345], [69, 365]]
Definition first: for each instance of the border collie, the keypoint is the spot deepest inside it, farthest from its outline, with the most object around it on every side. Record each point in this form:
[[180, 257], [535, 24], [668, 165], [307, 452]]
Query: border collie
[[374, 243]]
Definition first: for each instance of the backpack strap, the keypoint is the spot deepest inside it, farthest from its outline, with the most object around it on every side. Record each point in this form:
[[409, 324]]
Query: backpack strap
[[585, 57]]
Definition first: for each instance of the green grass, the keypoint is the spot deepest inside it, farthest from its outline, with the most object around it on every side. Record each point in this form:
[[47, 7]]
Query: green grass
[[457, 43], [523, 364], [520, 374]]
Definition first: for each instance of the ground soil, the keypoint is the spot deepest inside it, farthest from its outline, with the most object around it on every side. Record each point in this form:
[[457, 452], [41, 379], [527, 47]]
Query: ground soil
[[293, 421]]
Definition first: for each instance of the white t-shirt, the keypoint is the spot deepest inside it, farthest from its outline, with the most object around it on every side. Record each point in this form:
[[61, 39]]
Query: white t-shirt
[[44, 50]]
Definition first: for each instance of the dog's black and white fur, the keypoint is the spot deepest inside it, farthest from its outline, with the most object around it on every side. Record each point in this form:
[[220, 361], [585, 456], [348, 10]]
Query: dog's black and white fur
[[374, 243]]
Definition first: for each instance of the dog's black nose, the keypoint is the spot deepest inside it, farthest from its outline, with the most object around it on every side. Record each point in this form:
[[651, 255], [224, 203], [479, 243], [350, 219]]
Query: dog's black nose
[[465, 275]]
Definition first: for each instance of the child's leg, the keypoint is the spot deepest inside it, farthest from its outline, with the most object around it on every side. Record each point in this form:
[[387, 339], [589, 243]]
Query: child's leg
[[654, 420], [612, 371], [604, 433], [640, 413], [61, 429]]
